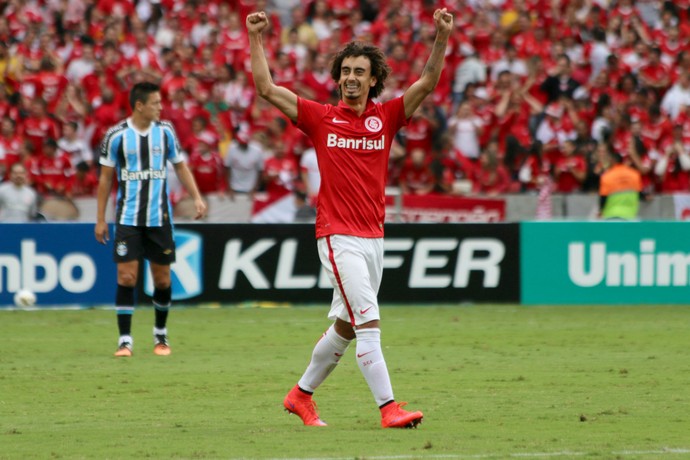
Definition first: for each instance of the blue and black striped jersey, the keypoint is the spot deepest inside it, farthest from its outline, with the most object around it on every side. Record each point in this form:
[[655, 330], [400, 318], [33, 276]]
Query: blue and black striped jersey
[[139, 159]]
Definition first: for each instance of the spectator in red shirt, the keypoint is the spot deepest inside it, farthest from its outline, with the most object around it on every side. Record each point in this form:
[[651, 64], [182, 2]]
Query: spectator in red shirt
[[10, 146], [52, 172], [400, 63], [452, 171], [180, 111], [556, 127], [104, 75], [491, 177], [673, 167], [239, 94], [420, 131], [104, 115], [117, 8], [280, 171], [284, 71], [656, 127], [173, 80], [671, 46], [48, 83], [523, 37], [533, 169], [207, 167], [416, 176], [85, 183], [626, 11], [624, 92], [480, 32], [513, 113], [570, 169], [316, 83], [39, 125], [655, 74]]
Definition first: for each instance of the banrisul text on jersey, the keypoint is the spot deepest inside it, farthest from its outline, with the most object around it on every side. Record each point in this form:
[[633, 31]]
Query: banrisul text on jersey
[[333, 140], [147, 174]]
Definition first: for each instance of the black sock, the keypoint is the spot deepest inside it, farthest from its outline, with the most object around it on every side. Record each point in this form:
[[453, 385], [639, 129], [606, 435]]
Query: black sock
[[161, 303], [124, 323], [124, 305]]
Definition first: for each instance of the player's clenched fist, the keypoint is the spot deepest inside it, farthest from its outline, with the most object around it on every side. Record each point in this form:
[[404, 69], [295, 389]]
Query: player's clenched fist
[[443, 20], [256, 22]]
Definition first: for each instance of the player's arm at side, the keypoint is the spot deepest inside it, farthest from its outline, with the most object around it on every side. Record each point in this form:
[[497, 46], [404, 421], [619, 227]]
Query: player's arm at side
[[420, 89], [105, 185], [187, 180], [284, 99]]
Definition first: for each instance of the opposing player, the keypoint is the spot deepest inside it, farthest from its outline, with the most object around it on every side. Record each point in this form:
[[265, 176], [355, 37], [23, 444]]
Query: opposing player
[[139, 149], [352, 142]]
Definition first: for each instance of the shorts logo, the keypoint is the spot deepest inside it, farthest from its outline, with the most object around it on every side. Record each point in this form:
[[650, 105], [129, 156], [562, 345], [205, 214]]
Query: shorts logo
[[121, 248], [373, 124]]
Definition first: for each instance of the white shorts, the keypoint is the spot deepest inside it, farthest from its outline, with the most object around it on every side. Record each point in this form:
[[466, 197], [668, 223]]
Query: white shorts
[[354, 266]]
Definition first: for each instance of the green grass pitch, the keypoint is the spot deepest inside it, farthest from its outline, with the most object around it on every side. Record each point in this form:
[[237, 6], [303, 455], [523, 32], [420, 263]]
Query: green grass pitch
[[493, 381]]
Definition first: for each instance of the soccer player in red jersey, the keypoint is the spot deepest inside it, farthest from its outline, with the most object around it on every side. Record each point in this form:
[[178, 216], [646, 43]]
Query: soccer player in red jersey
[[352, 142]]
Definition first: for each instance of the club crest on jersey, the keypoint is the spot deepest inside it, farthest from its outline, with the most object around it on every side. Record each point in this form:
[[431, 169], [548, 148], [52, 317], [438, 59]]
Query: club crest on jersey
[[156, 150], [373, 124]]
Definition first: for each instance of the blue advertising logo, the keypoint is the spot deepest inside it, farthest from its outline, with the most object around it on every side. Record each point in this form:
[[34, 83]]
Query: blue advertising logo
[[187, 272], [60, 263]]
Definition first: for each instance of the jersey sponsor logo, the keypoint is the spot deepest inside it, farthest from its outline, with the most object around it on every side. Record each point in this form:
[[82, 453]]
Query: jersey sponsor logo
[[333, 140], [146, 174], [373, 124], [335, 120]]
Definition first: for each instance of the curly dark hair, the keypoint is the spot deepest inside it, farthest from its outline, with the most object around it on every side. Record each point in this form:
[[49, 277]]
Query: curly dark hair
[[379, 67]]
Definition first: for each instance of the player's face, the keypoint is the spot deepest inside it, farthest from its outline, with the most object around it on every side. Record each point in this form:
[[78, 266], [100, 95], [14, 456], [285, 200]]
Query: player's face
[[356, 78], [151, 111]]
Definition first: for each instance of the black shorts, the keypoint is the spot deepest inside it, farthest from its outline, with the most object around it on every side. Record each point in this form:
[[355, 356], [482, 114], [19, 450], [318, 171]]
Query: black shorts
[[153, 243]]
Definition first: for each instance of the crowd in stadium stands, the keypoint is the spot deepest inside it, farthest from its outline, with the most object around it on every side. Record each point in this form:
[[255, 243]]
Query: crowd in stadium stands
[[533, 92]]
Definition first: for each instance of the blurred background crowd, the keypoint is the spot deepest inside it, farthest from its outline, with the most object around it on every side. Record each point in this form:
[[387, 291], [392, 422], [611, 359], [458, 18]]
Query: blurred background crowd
[[534, 94]]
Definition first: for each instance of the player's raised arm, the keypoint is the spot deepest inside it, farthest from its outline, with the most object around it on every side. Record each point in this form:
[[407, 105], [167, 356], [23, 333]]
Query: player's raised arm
[[284, 99], [420, 89]]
